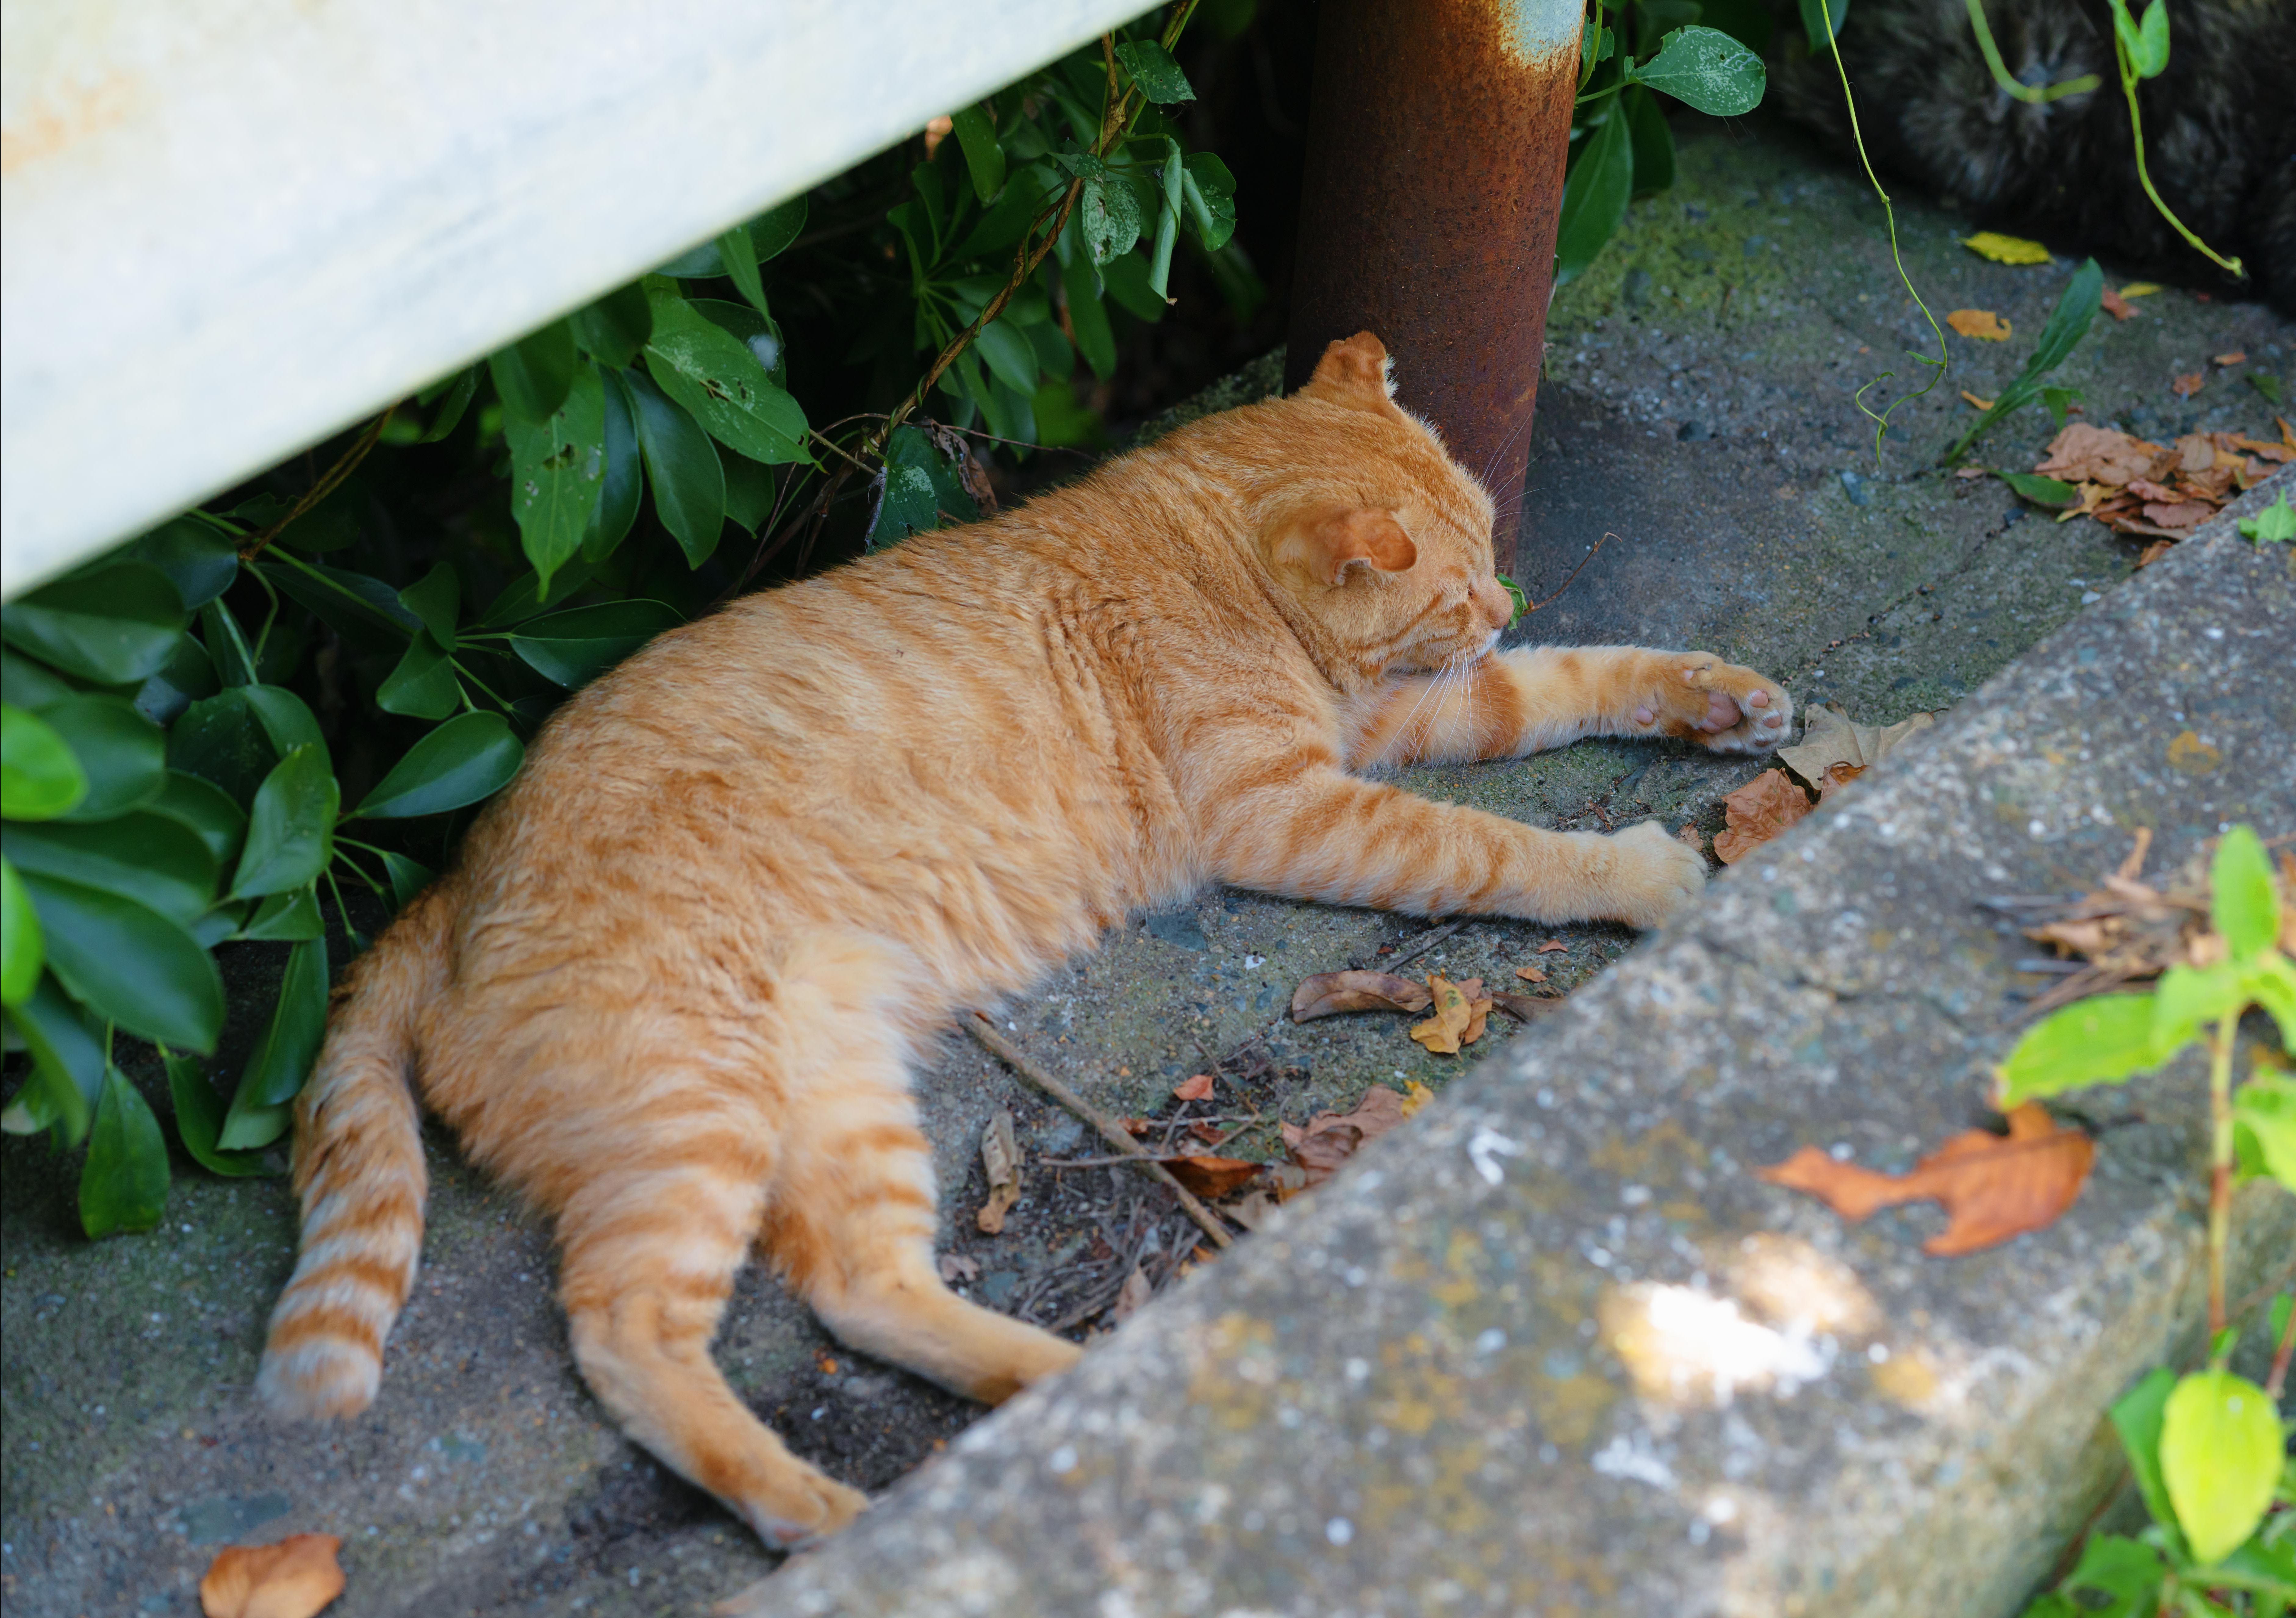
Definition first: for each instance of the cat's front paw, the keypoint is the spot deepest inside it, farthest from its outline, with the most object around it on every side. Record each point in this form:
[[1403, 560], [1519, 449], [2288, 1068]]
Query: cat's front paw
[[1718, 705], [1648, 876]]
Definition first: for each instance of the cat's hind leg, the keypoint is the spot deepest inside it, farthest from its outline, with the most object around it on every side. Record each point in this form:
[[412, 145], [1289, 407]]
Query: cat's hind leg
[[651, 1247], [1512, 703], [850, 1219]]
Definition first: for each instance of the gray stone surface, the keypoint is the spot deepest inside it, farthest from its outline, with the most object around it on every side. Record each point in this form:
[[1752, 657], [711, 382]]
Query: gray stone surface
[[1555, 1349], [486, 1481]]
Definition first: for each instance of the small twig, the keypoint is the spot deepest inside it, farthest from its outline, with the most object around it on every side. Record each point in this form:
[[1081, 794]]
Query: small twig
[[1113, 1132], [1531, 607], [325, 486], [1426, 942]]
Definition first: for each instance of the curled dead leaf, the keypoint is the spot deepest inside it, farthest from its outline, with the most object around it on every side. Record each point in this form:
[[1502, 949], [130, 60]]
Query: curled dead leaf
[[2188, 384], [1830, 736], [1000, 1155], [295, 1578], [1329, 993], [959, 1267], [1982, 324], [1992, 1186], [2237, 357], [1415, 1096], [1197, 1088], [1328, 1139], [1444, 1032], [1692, 837], [1211, 1177], [1530, 974], [1523, 1008], [2116, 306], [1553, 946], [1758, 811], [1836, 777]]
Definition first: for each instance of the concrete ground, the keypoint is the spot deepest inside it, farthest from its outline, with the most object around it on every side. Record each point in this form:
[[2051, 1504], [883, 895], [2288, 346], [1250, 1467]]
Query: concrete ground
[[1697, 407]]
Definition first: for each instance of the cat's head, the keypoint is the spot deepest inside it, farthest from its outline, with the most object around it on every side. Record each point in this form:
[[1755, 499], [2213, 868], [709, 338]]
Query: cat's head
[[1378, 534]]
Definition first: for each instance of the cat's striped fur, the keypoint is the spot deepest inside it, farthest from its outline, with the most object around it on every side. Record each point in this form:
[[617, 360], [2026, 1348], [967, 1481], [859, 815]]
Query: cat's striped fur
[[674, 988]]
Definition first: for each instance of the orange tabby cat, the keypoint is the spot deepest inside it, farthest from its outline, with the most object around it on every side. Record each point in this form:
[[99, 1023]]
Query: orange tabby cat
[[674, 988]]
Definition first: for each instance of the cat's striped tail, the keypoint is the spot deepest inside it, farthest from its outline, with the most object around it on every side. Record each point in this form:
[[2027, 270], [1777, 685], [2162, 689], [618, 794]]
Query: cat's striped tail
[[358, 1167]]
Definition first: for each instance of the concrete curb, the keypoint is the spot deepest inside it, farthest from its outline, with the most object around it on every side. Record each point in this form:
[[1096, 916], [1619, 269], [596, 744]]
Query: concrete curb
[[1556, 1349]]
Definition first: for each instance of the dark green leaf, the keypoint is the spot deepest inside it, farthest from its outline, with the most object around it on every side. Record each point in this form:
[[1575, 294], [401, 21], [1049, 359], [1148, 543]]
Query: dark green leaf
[[1815, 17], [366, 613], [749, 490], [333, 524], [905, 507], [470, 757], [689, 483], [290, 829], [1594, 198], [2240, 901], [232, 658], [281, 1059], [2102, 1038], [140, 856], [39, 777], [718, 378], [533, 374], [1747, 21], [437, 600], [123, 1186], [199, 1114], [556, 468], [2056, 401], [287, 918], [984, 158], [129, 963], [459, 393], [115, 625], [66, 1056], [1054, 358], [124, 753], [2038, 490], [407, 878], [523, 597], [1127, 279], [1109, 216], [2137, 1417], [285, 718], [25, 683], [758, 330], [740, 260], [187, 676], [1153, 68], [771, 231], [1652, 141], [1705, 68], [199, 558], [612, 330], [423, 686], [222, 741], [1094, 338], [1010, 356], [21, 950], [569, 648], [620, 491], [2127, 1571], [1001, 228], [2068, 323]]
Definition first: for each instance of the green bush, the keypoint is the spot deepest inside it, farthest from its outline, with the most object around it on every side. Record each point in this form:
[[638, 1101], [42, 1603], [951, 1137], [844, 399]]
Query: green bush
[[213, 729]]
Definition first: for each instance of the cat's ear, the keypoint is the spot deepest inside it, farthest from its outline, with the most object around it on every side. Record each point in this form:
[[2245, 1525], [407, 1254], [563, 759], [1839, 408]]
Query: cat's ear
[[1326, 544], [1354, 370]]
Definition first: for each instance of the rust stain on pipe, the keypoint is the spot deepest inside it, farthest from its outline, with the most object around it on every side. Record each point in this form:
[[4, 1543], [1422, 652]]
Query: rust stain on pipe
[[1436, 145]]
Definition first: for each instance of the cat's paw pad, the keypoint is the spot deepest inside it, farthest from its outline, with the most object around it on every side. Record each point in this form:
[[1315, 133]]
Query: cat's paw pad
[[804, 1511], [1650, 876], [1720, 706]]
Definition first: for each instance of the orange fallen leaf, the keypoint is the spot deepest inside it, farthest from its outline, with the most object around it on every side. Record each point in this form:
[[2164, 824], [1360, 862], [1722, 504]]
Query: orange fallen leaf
[[1836, 777], [1758, 811], [2237, 357], [1198, 1087], [1446, 1030], [1983, 324], [2153, 552], [1553, 946], [2116, 306], [1981, 404], [295, 1578], [1000, 1156], [1327, 994], [1415, 1096], [1530, 974], [2187, 385], [1992, 1186], [1479, 1009], [1691, 835], [1212, 1177]]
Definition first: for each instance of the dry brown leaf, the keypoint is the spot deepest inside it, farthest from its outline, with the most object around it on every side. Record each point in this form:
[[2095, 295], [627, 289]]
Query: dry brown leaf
[[1523, 1008], [2083, 453], [1415, 1096], [2153, 552], [2185, 514], [2237, 357], [1329, 1139], [1553, 946], [1530, 974], [1442, 1032], [1836, 777], [959, 1267], [1992, 1186], [2188, 384], [1691, 835], [293, 1578], [1830, 736], [1976, 403], [1329, 993], [1211, 1177], [1198, 1087], [1129, 1297], [1251, 1212], [1000, 1155], [1479, 1009], [1982, 324], [2116, 306], [1758, 811], [1967, 472]]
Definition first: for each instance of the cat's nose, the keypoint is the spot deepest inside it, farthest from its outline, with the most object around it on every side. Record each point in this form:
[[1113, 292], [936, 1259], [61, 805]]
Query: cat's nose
[[1493, 603]]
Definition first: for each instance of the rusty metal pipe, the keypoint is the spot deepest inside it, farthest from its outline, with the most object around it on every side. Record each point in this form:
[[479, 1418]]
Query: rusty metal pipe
[[1437, 136]]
